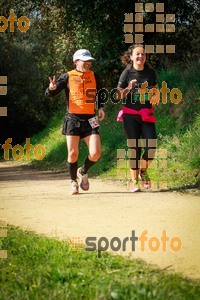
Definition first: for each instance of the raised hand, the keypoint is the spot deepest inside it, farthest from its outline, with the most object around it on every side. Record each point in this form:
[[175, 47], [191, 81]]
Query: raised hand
[[132, 84], [52, 84], [154, 100]]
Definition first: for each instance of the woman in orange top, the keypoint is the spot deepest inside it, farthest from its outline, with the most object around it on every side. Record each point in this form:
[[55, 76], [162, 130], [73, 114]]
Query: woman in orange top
[[81, 87]]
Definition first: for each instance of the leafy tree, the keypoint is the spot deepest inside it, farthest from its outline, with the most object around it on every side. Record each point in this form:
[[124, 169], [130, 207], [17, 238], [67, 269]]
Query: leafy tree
[[27, 59]]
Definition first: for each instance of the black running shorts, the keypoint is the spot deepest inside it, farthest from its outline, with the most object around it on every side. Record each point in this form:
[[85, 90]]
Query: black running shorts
[[81, 128]]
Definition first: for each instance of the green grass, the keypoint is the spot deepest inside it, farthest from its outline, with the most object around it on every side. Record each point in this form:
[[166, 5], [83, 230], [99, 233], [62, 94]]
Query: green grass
[[40, 268]]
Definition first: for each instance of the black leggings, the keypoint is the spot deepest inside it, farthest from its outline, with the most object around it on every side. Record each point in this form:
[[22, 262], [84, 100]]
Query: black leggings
[[139, 135]]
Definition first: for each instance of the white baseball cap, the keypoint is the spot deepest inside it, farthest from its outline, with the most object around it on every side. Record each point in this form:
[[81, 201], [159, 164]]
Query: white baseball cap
[[83, 55]]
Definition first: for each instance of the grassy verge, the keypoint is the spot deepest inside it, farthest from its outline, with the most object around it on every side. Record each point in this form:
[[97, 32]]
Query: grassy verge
[[42, 268]]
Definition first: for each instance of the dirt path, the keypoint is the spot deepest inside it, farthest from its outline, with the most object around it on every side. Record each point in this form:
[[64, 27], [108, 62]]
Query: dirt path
[[39, 201]]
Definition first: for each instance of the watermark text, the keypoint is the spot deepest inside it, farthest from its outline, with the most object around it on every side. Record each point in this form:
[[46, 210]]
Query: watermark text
[[144, 241], [19, 152], [23, 23]]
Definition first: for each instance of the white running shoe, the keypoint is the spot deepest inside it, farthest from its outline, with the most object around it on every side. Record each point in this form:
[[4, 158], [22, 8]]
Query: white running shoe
[[74, 188], [134, 186], [84, 183]]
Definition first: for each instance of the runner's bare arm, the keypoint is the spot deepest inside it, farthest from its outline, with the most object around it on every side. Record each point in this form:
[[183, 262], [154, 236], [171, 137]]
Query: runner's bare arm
[[101, 114]]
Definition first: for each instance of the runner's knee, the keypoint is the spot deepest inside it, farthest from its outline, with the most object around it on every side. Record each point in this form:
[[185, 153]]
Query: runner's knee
[[95, 155], [149, 154], [72, 155]]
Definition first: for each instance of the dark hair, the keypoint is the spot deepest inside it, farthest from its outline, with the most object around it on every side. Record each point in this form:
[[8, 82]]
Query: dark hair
[[126, 57]]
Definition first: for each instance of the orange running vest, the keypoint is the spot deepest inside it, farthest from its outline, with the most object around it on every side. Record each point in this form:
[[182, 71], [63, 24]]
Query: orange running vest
[[82, 92]]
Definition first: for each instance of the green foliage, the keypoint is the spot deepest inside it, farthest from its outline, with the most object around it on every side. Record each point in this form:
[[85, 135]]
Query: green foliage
[[185, 78], [183, 156], [42, 268], [27, 60]]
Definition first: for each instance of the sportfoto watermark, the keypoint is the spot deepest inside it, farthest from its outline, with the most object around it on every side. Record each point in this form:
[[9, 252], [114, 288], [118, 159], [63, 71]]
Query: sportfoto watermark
[[39, 150], [146, 243], [3, 234], [3, 92], [154, 94], [23, 23], [134, 26]]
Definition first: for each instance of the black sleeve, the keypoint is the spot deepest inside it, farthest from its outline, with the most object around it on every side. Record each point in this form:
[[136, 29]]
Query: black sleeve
[[155, 81], [123, 83], [99, 101], [61, 84]]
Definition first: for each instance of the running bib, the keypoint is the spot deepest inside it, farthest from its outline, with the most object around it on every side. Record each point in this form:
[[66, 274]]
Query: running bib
[[94, 122]]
